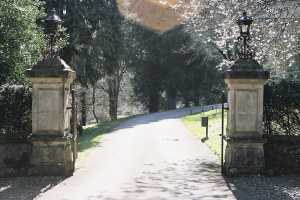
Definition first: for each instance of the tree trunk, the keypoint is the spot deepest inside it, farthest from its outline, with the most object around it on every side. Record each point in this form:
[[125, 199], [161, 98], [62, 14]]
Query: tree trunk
[[171, 99], [113, 94], [113, 107], [196, 101], [153, 103], [196, 98], [94, 106], [83, 107], [186, 102]]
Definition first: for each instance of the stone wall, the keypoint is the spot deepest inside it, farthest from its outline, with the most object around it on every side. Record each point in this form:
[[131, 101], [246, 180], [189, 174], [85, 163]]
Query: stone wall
[[14, 159], [20, 159], [282, 155]]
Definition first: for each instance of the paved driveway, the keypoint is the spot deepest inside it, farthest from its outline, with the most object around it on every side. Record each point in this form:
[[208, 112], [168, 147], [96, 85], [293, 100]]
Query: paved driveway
[[150, 157]]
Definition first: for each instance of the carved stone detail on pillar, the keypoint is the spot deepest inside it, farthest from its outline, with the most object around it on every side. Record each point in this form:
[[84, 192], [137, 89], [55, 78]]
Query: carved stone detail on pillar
[[244, 151], [51, 138]]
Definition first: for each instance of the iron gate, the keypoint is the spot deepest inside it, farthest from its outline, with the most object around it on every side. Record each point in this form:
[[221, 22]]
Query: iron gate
[[223, 137], [73, 126]]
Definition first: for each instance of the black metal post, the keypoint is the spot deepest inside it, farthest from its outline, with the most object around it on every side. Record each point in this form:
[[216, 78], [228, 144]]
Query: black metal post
[[74, 125], [222, 138], [51, 45], [207, 131]]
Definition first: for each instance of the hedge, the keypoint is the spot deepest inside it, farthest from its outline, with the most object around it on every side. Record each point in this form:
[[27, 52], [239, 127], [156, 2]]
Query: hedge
[[15, 113]]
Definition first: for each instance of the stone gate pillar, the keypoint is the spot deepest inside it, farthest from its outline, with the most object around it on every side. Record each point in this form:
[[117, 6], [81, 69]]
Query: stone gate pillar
[[244, 151], [51, 138]]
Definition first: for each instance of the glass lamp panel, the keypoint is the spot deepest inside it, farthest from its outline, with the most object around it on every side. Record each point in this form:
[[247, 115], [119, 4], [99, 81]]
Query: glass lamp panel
[[245, 28]]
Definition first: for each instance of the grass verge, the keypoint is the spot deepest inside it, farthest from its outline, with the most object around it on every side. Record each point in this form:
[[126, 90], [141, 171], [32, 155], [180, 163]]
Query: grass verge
[[92, 135], [193, 123]]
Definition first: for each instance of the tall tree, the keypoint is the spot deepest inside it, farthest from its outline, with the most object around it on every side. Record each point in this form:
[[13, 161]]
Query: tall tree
[[173, 62], [148, 71], [173, 66], [116, 47], [100, 45]]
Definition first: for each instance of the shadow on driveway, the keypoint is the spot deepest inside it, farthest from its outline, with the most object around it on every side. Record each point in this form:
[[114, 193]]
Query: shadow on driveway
[[265, 188], [26, 188], [190, 179], [198, 179]]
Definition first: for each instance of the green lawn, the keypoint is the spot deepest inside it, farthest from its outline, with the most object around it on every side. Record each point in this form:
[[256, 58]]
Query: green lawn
[[193, 123], [92, 135]]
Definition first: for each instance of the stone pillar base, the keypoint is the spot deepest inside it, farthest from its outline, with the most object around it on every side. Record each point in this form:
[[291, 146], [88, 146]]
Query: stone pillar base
[[244, 156], [51, 157]]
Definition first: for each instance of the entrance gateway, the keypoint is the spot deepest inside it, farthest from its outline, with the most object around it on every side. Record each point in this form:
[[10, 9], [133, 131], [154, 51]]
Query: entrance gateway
[[54, 144]]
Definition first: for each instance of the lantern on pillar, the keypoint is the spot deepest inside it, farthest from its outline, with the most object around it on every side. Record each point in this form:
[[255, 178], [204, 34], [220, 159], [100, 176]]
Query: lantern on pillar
[[52, 23], [244, 133], [53, 144], [244, 22]]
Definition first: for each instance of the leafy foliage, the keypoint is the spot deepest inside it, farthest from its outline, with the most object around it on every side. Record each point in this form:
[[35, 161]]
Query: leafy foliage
[[21, 40], [100, 44], [172, 67], [203, 79], [282, 108], [15, 112], [148, 71], [274, 31], [114, 45]]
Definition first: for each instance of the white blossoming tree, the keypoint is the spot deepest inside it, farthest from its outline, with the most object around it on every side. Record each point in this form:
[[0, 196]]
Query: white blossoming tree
[[274, 31]]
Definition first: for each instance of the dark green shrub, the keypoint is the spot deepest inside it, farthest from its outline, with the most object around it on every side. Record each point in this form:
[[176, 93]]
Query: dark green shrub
[[282, 108], [15, 113]]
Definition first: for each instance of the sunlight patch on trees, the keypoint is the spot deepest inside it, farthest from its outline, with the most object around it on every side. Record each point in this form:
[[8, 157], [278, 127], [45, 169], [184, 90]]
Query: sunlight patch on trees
[[158, 15]]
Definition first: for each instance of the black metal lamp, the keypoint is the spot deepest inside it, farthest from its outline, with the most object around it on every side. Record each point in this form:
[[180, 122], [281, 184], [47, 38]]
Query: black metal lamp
[[245, 66], [244, 23], [52, 23]]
